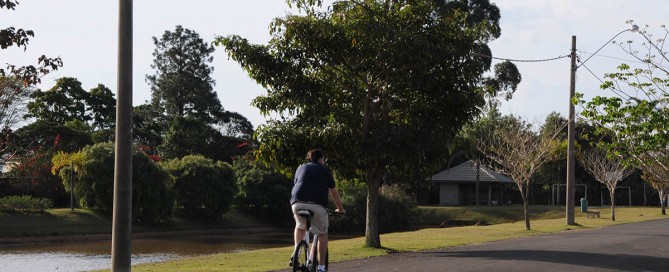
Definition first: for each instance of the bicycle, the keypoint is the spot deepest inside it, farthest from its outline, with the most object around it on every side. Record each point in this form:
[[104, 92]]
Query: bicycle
[[305, 258]]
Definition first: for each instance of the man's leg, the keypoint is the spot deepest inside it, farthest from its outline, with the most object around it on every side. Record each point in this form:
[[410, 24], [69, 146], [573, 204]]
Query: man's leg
[[322, 247], [299, 235]]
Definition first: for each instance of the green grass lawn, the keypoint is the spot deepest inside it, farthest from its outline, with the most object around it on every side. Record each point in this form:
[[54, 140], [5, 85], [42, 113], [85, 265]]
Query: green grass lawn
[[53, 222], [546, 220], [491, 215], [62, 222]]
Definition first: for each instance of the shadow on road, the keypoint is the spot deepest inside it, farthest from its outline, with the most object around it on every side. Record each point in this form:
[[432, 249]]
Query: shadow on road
[[596, 260]]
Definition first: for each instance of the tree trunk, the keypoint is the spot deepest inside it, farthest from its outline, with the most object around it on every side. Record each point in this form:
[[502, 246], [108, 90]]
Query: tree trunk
[[526, 213], [663, 201], [372, 237], [612, 195]]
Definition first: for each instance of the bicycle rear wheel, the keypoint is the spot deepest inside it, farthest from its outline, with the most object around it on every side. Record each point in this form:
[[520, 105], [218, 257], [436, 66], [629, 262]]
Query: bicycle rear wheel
[[300, 257]]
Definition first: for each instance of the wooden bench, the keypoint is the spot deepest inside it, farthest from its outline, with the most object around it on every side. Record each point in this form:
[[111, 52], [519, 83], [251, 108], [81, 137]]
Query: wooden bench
[[592, 214]]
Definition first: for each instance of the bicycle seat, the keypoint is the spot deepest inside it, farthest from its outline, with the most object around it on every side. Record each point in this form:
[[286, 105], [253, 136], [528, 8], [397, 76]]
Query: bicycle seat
[[305, 213]]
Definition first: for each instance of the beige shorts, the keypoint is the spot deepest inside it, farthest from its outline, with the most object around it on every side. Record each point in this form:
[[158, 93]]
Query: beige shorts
[[319, 222]]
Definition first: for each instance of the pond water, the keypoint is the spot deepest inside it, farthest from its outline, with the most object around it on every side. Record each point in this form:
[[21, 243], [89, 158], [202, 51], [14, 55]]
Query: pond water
[[92, 255]]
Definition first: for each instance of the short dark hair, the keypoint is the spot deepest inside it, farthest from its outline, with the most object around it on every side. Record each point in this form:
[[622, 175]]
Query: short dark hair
[[314, 155]]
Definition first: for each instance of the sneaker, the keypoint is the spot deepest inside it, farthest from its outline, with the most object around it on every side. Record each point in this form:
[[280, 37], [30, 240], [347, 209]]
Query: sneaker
[[290, 262], [322, 270]]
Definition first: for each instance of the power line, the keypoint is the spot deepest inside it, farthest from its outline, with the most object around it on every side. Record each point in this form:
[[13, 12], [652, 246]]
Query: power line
[[523, 60], [621, 32], [621, 59], [610, 57], [614, 89]]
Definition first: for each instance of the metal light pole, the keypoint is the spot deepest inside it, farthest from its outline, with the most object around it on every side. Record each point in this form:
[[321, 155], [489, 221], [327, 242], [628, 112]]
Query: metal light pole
[[122, 221], [570, 130]]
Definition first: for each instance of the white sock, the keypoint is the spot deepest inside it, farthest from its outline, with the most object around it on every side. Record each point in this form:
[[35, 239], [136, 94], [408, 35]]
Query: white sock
[[321, 267]]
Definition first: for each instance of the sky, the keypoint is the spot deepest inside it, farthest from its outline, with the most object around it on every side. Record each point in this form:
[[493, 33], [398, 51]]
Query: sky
[[84, 34]]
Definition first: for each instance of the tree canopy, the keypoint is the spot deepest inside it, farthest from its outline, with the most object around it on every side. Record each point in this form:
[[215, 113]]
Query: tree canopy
[[182, 85], [67, 101], [378, 85], [64, 102]]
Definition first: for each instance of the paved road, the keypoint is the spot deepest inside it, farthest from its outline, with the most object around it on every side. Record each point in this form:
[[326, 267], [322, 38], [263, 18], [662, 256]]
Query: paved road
[[628, 247]]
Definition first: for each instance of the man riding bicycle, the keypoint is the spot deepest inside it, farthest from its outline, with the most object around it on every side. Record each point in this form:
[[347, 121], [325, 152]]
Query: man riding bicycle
[[313, 182]]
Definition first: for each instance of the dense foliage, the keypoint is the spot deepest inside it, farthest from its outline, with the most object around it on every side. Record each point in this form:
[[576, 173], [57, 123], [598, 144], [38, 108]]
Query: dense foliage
[[204, 188], [263, 191], [24, 204], [189, 136], [152, 198], [67, 101], [398, 214]]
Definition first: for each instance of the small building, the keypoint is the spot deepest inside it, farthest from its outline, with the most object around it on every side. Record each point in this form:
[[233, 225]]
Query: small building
[[458, 185]]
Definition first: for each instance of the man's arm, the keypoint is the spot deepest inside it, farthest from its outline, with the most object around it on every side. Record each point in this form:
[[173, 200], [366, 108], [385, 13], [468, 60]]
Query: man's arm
[[335, 196]]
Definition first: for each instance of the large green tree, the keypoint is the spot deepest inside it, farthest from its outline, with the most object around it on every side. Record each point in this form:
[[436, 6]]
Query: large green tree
[[67, 101], [64, 102], [102, 107], [182, 84], [45, 134], [379, 85]]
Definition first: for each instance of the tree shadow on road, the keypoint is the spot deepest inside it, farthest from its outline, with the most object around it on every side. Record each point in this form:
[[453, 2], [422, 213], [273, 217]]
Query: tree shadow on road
[[607, 261]]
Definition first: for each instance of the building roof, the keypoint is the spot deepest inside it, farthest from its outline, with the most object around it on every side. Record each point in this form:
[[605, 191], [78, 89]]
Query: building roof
[[466, 173]]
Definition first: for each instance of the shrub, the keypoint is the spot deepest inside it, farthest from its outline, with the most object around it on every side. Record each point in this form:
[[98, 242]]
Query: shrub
[[263, 192], [397, 210], [32, 177], [24, 204], [204, 188], [152, 198]]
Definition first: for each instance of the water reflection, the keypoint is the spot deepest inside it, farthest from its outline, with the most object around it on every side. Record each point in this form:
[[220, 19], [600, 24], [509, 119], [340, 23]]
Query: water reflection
[[61, 261], [83, 256]]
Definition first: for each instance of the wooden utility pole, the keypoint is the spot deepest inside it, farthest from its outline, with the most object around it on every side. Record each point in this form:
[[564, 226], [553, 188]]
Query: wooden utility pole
[[122, 221], [570, 130]]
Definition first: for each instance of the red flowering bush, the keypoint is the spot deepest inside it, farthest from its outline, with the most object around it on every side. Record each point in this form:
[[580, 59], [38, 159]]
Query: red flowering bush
[[32, 176]]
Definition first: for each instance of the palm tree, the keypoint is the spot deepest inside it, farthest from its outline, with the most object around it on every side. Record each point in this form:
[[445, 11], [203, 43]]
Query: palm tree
[[75, 162]]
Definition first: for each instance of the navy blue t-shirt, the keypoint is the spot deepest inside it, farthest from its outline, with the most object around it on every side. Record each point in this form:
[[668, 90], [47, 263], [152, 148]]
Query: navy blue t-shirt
[[312, 182]]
